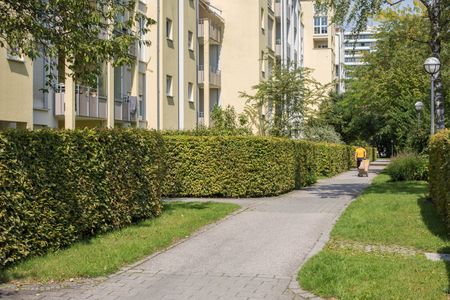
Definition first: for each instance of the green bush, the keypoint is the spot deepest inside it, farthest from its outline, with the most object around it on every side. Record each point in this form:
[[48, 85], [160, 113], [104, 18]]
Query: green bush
[[228, 166], [57, 187], [408, 167], [248, 166], [320, 159], [439, 178]]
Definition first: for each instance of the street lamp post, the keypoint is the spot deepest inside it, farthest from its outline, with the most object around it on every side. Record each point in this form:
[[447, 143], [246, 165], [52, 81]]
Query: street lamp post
[[419, 108], [432, 66]]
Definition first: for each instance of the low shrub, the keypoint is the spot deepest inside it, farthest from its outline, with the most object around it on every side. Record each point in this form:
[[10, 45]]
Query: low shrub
[[408, 167], [57, 187], [228, 166], [439, 179]]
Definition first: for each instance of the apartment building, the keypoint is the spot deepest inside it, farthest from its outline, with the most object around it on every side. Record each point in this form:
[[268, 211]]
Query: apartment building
[[257, 34], [356, 46], [319, 42], [159, 90], [202, 54]]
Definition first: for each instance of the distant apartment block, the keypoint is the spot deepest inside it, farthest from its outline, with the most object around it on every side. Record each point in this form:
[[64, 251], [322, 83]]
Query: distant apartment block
[[356, 46]]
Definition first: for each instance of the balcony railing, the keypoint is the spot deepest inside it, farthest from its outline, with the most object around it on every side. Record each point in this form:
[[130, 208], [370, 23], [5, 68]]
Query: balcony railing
[[87, 103], [125, 109], [278, 47], [201, 118], [215, 76], [215, 32], [277, 9]]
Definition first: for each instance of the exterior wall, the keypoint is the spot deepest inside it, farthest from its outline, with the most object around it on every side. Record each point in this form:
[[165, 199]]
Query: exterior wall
[[172, 57], [322, 61], [16, 90], [241, 50], [190, 65]]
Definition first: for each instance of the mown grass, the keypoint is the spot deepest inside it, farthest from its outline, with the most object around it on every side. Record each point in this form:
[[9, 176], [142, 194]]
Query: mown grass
[[391, 214], [109, 252]]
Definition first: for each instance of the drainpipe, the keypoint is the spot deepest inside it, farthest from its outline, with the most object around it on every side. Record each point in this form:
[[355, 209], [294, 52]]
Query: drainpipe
[[158, 89]]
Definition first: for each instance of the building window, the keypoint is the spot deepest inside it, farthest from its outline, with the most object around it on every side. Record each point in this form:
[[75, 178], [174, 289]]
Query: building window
[[169, 87], [190, 41], [13, 54], [320, 25], [169, 31], [191, 92]]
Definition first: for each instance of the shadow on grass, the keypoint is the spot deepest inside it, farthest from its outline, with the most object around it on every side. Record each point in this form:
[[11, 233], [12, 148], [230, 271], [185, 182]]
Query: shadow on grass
[[435, 225], [171, 206], [406, 187]]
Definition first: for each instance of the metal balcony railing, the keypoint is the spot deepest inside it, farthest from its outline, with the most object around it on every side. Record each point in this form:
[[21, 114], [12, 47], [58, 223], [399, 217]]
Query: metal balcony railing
[[215, 32], [87, 102]]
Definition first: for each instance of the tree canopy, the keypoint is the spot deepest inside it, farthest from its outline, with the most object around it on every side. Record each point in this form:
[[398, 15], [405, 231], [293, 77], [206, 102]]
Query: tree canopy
[[378, 106], [82, 33]]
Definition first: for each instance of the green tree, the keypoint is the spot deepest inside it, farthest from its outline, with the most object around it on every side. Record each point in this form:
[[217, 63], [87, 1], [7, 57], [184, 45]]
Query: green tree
[[379, 104], [436, 14], [82, 33], [280, 104]]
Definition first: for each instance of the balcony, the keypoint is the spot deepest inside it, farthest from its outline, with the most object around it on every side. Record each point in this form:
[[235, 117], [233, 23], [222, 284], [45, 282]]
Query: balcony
[[125, 109], [87, 103], [278, 49], [277, 9], [201, 118], [215, 32], [215, 76], [132, 51]]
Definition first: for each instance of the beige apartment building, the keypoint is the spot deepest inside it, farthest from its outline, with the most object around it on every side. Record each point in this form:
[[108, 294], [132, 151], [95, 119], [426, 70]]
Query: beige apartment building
[[319, 43], [159, 90], [257, 33], [202, 54]]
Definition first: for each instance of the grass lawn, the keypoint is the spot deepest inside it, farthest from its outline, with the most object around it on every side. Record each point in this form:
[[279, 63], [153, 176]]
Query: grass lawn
[[109, 252], [392, 214]]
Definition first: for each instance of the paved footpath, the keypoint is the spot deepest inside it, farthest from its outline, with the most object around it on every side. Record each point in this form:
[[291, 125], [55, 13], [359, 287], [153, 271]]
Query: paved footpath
[[254, 254]]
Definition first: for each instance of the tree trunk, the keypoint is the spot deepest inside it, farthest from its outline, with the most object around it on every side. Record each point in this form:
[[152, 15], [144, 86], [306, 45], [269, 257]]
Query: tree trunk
[[434, 12]]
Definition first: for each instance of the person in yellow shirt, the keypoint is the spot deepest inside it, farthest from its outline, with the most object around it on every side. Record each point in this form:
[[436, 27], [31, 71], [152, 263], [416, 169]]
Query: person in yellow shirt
[[360, 155]]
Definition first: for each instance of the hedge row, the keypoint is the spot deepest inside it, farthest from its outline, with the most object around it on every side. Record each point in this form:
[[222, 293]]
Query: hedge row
[[57, 187], [212, 166], [228, 166], [439, 173]]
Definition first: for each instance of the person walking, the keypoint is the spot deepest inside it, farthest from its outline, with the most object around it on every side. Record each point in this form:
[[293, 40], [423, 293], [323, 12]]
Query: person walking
[[360, 155]]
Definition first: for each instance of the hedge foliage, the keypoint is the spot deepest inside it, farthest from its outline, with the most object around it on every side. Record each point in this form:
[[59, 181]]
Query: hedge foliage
[[57, 187], [439, 173], [212, 166], [408, 166], [321, 159], [228, 166]]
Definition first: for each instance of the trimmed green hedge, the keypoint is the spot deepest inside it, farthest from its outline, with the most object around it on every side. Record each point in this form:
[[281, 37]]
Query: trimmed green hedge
[[321, 159], [211, 166], [439, 173], [228, 166], [57, 187]]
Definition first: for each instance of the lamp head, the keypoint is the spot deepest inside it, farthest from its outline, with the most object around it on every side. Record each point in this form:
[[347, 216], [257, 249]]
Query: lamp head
[[432, 65], [419, 106]]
